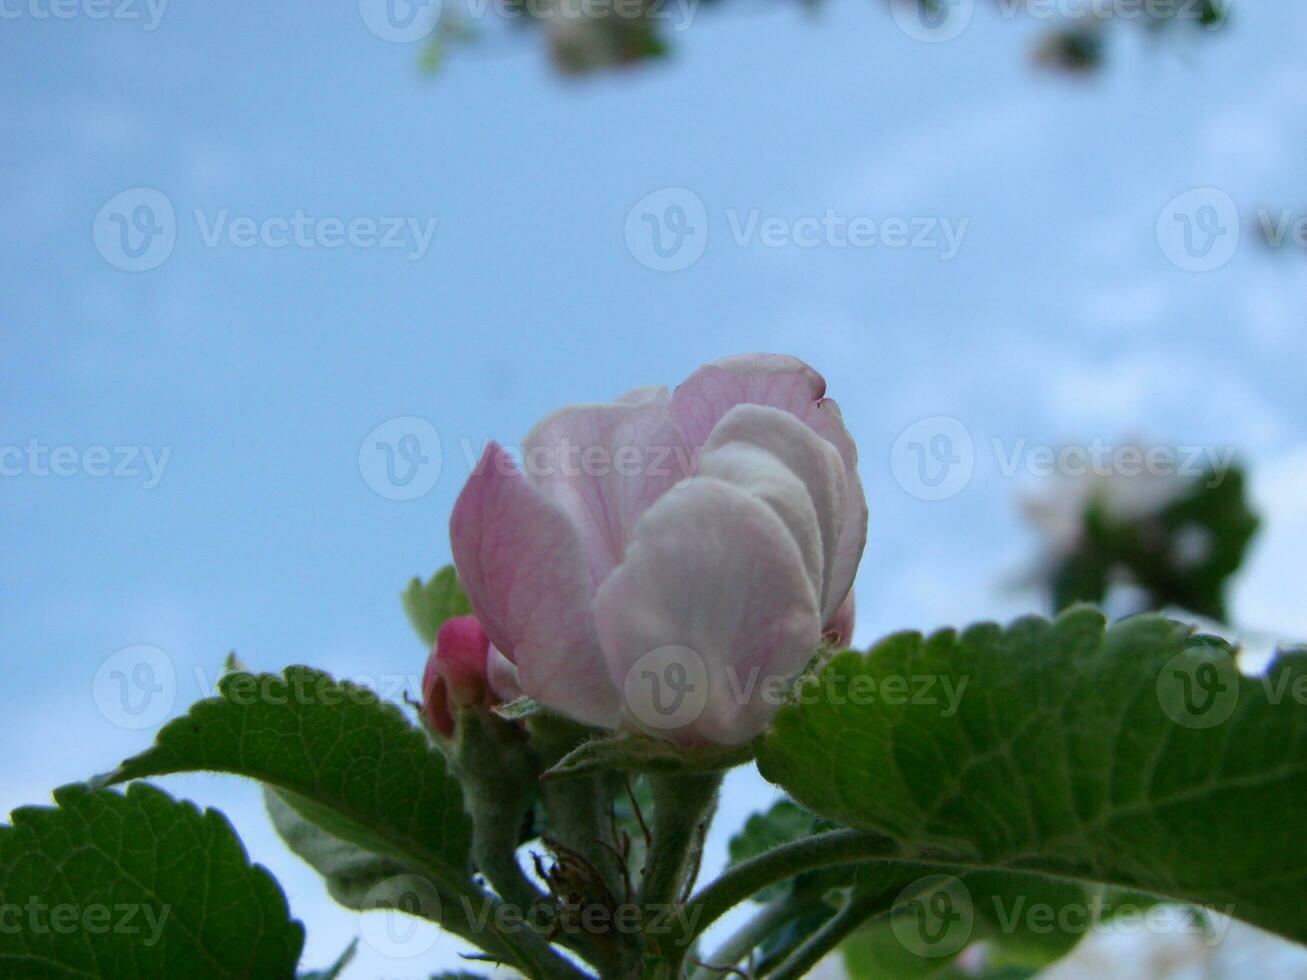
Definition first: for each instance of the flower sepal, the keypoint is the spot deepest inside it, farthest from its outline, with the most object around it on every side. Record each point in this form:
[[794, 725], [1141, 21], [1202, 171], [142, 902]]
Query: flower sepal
[[640, 754]]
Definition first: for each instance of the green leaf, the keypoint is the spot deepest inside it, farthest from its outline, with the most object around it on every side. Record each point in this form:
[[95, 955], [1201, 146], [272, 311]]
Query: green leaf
[[1135, 757], [786, 821], [519, 709], [354, 764], [350, 873], [363, 881], [429, 605], [1026, 922], [140, 885]]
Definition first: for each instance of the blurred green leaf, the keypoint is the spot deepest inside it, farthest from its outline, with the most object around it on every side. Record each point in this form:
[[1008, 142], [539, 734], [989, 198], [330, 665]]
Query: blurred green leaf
[[429, 604]]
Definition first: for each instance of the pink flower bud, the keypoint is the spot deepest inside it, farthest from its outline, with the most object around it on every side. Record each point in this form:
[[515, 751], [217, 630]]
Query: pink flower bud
[[671, 550], [455, 675]]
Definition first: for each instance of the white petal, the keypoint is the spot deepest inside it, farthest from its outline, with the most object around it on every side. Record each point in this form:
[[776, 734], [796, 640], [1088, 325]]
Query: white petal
[[712, 569], [785, 443]]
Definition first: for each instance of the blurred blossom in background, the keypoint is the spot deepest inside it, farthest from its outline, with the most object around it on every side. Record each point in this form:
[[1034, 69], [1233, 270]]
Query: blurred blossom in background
[[273, 274]]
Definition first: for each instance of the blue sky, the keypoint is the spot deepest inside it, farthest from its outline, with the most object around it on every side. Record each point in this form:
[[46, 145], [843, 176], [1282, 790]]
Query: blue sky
[[260, 370]]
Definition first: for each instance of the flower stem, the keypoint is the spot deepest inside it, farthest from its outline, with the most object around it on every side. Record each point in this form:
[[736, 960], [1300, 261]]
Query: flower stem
[[858, 910], [780, 864], [683, 806], [751, 934]]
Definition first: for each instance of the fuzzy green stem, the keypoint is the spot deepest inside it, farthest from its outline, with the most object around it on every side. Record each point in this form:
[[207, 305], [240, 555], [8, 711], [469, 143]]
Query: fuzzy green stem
[[530, 950], [858, 910], [779, 864], [577, 808], [789, 860], [747, 937], [683, 806], [490, 759]]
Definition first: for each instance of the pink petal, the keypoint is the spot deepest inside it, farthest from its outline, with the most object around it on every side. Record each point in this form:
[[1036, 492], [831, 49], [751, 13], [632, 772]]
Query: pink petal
[[783, 382], [713, 569], [521, 562], [604, 465]]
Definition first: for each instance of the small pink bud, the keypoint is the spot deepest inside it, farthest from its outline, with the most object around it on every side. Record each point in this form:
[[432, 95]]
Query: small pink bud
[[839, 631], [455, 676]]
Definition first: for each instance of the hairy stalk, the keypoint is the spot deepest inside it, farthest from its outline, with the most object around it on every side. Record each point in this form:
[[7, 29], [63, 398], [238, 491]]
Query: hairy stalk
[[530, 950], [496, 776], [683, 806], [858, 910], [577, 808], [589, 867], [788, 860], [747, 937]]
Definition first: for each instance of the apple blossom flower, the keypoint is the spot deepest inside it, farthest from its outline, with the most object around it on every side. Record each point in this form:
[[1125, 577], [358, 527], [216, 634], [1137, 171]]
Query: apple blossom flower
[[715, 529]]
